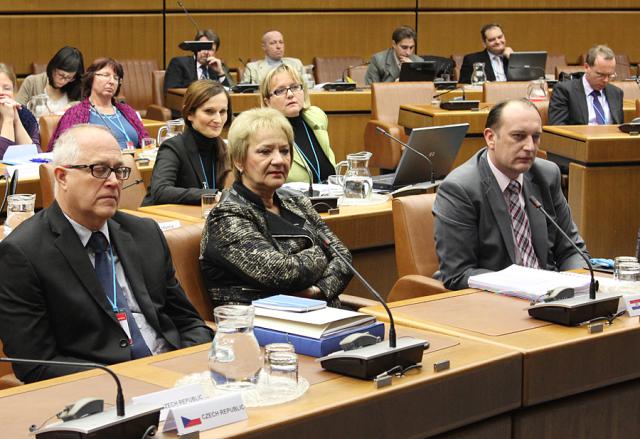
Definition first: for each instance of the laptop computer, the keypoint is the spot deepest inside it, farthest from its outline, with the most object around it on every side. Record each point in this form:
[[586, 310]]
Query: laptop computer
[[418, 71], [439, 143], [526, 66]]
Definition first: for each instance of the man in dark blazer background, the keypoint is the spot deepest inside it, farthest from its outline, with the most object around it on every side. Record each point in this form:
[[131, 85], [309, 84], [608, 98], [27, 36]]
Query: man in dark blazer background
[[495, 56], [385, 66], [183, 70], [474, 207], [55, 302], [574, 102]]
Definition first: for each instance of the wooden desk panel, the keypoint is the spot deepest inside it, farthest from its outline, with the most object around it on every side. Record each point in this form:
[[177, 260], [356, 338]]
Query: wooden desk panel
[[558, 361]]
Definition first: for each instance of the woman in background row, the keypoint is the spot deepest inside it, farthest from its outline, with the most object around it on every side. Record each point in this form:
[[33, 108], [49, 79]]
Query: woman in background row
[[100, 84], [61, 81], [17, 124], [194, 162], [283, 89], [262, 239]]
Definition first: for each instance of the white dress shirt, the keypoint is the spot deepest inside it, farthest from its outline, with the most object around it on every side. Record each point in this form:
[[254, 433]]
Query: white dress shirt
[[603, 102], [498, 67]]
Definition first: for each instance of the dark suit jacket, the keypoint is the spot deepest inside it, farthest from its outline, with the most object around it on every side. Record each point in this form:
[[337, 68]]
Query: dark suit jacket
[[384, 68], [52, 306], [177, 174], [568, 104], [467, 66], [473, 225]]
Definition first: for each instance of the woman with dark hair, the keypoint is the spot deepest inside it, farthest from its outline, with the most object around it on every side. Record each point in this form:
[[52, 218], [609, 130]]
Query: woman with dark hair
[[61, 81], [17, 124], [100, 84], [194, 162]]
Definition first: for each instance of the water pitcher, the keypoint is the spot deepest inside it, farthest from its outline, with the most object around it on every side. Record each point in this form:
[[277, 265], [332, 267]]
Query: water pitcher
[[171, 129], [234, 358], [478, 76], [537, 91], [38, 105], [357, 178]]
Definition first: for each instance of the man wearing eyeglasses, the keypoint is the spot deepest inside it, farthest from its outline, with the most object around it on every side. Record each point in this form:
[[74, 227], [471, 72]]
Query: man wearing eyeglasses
[[84, 282], [385, 66], [591, 99]]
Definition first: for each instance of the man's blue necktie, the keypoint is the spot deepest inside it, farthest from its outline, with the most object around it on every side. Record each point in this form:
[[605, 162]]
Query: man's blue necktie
[[597, 107], [99, 244]]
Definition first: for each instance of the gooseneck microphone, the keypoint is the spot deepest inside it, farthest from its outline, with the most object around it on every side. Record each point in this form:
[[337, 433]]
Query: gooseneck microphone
[[189, 16], [370, 361], [593, 285], [134, 183], [410, 148], [244, 63]]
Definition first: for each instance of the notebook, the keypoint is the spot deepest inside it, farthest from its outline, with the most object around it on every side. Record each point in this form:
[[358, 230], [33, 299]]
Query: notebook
[[440, 144]]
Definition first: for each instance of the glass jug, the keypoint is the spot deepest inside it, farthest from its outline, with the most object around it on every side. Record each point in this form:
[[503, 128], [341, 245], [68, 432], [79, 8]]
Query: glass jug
[[171, 129], [537, 91], [357, 178], [38, 105], [478, 76], [234, 358]]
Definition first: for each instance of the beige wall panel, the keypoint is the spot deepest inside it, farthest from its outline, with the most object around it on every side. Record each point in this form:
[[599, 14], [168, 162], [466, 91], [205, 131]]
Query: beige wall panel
[[571, 33], [306, 34], [117, 36], [79, 5], [291, 5], [527, 4]]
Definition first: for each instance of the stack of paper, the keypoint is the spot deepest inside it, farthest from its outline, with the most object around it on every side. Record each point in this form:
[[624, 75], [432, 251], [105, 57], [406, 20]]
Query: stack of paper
[[285, 302], [528, 283]]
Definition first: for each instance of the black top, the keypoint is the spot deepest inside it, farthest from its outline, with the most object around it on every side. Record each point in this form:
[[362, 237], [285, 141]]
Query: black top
[[312, 153], [206, 151]]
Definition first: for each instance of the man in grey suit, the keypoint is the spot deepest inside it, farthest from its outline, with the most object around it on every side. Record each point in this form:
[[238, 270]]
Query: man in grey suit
[[483, 218], [273, 47], [385, 66], [589, 100]]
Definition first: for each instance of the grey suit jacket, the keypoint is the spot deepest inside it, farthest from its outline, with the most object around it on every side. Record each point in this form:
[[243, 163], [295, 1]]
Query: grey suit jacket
[[473, 227], [383, 67], [255, 71], [568, 104], [52, 306]]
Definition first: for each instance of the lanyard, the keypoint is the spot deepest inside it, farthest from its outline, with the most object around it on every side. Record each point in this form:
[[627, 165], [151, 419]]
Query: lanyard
[[316, 169], [205, 183], [120, 127], [114, 302]]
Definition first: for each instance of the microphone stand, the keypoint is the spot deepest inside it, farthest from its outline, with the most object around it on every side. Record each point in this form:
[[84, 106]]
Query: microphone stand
[[410, 148], [189, 16]]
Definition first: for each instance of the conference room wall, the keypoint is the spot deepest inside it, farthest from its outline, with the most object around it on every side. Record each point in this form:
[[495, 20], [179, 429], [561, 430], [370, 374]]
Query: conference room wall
[[526, 4], [570, 32], [291, 5], [79, 5], [306, 34], [29, 38]]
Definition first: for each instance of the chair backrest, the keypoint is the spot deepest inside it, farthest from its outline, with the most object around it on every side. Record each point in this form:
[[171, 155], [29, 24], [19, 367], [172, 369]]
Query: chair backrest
[[457, 59], [38, 68], [494, 92], [136, 85], [386, 98], [631, 89], [637, 107], [358, 73], [157, 91], [47, 184], [543, 108], [331, 68], [131, 197], [553, 61], [570, 70], [413, 232], [48, 126], [184, 244]]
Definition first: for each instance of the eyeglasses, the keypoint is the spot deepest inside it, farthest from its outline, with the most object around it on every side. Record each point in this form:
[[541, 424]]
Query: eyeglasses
[[64, 76], [605, 75], [106, 76], [103, 171], [283, 90]]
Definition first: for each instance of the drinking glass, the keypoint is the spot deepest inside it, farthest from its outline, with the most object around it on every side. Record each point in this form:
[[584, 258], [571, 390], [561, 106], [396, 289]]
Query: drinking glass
[[282, 372], [621, 260], [207, 202], [20, 207]]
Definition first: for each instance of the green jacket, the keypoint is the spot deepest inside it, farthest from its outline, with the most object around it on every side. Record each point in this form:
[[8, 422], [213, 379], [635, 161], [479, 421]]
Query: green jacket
[[317, 120]]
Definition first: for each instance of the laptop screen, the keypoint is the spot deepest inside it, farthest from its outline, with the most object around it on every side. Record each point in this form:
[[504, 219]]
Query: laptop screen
[[526, 66], [418, 71]]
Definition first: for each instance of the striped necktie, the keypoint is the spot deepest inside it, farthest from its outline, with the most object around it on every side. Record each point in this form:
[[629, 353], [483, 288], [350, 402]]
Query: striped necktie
[[520, 226], [597, 107]]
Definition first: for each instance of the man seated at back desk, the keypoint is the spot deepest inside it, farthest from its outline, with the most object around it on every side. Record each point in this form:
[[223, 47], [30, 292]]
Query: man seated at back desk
[[589, 100], [385, 66], [495, 57], [273, 47], [483, 218], [83, 282]]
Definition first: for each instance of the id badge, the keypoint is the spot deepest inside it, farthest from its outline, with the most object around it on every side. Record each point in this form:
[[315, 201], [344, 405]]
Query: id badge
[[122, 319], [130, 145]]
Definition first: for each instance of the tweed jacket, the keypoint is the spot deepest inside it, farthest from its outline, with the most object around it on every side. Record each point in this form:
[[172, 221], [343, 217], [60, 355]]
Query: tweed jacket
[[248, 252]]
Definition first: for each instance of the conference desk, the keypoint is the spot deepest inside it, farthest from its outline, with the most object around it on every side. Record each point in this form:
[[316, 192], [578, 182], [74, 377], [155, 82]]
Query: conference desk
[[604, 177], [473, 397], [571, 378], [348, 113], [367, 231]]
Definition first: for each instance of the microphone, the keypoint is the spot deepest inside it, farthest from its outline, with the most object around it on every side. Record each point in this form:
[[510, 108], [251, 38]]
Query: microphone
[[410, 148], [344, 72], [142, 418], [244, 63], [579, 309], [370, 361], [135, 182], [189, 16]]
